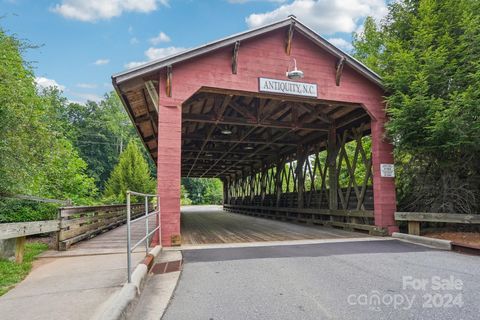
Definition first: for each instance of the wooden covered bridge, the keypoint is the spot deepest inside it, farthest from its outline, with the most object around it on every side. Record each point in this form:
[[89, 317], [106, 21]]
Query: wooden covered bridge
[[281, 116]]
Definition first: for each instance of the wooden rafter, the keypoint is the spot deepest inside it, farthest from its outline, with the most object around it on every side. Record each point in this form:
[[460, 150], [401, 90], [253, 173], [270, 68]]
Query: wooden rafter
[[245, 136], [280, 136], [224, 105], [202, 118]]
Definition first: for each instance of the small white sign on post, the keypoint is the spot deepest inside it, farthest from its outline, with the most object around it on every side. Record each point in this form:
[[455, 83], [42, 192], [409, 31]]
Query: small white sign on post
[[387, 170]]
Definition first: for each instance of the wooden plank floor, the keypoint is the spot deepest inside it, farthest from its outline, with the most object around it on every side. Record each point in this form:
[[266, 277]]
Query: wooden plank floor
[[112, 241], [210, 224]]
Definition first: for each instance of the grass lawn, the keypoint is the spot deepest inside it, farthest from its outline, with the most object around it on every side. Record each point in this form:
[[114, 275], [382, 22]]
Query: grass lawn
[[12, 273]]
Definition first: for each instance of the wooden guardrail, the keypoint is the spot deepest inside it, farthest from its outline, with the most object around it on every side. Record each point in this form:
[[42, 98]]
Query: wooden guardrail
[[415, 218], [19, 231], [324, 217], [79, 223], [73, 224]]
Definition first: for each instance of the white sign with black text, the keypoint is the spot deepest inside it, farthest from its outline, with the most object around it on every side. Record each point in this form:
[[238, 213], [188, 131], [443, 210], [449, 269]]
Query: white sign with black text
[[287, 87], [387, 170]]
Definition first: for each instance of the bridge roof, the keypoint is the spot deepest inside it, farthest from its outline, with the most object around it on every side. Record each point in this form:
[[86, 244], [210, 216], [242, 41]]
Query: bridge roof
[[155, 65], [254, 118]]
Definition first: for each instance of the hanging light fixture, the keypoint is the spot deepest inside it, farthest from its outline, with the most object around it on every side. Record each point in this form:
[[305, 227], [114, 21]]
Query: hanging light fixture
[[248, 147], [295, 73], [226, 131]]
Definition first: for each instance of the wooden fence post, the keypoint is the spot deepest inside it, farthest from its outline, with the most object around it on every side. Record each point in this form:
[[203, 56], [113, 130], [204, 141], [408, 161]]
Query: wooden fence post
[[19, 249]]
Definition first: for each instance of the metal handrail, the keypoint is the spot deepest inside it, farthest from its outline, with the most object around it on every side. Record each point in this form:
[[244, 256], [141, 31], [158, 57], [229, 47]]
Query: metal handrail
[[146, 238]]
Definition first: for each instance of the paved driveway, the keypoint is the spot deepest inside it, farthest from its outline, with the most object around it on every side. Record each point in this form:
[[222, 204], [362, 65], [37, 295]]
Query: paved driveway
[[342, 280]]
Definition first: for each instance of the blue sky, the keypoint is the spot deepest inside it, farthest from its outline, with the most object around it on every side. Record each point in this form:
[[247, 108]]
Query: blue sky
[[83, 42]]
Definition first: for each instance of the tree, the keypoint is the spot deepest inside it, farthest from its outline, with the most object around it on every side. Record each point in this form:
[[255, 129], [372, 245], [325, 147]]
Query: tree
[[203, 190], [131, 173], [35, 156], [21, 133], [430, 66], [369, 45], [64, 176], [184, 199], [100, 131]]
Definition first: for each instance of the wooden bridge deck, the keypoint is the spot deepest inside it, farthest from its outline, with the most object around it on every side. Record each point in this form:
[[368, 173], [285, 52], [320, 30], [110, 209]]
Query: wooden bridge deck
[[210, 224], [112, 241]]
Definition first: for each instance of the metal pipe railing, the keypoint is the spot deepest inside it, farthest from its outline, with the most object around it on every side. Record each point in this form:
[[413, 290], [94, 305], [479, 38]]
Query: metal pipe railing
[[148, 233]]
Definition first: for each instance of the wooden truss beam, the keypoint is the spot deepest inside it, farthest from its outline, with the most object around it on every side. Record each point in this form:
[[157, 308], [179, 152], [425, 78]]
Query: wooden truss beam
[[243, 122], [152, 92], [278, 137], [197, 137], [222, 109], [245, 136]]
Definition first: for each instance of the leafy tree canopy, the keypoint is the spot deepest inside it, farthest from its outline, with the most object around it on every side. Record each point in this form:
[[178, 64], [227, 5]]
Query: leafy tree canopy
[[428, 53], [131, 173]]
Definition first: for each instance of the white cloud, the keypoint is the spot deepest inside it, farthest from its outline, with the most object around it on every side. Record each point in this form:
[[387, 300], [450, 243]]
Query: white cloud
[[86, 85], [43, 83], [134, 40], [93, 10], [87, 96], [155, 53], [134, 64], [161, 37], [325, 16], [341, 43], [101, 62], [245, 1]]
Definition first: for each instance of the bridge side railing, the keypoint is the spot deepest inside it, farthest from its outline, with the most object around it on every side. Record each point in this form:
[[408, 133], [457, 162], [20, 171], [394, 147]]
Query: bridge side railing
[[148, 234], [414, 219], [84, 222]]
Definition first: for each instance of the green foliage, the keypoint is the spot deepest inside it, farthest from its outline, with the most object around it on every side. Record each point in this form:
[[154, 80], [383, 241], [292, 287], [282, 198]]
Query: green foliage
[[204, 190], [12, 273], [430, 63], [184, 199], [21, 131], [131, 173], [15, 210], [100, 132], [369, 45], [65, 176], [35, 155]]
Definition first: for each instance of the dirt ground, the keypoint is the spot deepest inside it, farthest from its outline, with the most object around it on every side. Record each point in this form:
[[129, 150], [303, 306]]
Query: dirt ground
[[469, 238], [50, 240]]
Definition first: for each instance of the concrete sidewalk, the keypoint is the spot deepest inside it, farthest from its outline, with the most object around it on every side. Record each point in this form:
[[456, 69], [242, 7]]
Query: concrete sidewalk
[[74, 284], [66, 288]]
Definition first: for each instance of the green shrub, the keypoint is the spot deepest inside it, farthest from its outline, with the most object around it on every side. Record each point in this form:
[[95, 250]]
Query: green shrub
[[15, 210]]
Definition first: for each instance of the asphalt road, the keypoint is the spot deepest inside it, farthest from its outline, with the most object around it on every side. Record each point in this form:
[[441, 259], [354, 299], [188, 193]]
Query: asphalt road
[[347, 280]]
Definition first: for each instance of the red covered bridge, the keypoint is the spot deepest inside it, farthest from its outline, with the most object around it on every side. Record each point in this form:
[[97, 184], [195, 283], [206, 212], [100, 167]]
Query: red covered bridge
[[293, 150]]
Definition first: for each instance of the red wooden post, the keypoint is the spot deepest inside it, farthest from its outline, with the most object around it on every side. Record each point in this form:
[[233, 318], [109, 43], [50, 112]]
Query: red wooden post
[[384, 196], [169, 170]]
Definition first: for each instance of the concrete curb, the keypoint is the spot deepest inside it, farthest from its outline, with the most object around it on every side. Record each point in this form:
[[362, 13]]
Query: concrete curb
[[119, 306], [431, 242], [158, 291]]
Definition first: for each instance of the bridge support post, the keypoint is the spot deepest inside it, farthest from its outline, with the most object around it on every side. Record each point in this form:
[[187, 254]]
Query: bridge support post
[[169, 172], [384, 196], [332, 150]]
